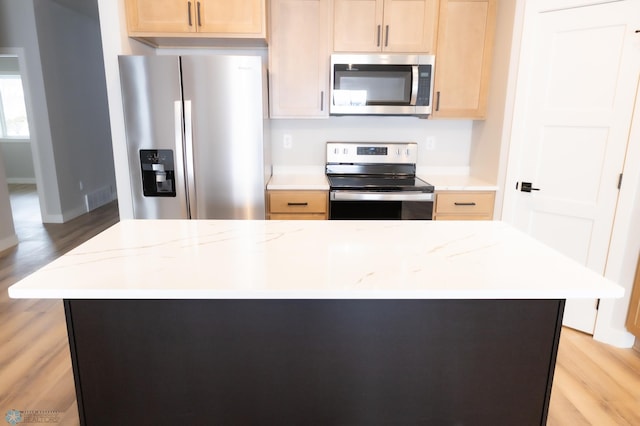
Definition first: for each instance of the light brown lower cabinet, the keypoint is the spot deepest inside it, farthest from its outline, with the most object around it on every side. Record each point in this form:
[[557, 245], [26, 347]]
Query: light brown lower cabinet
[[297, 205], [633, 315], [464, 205]]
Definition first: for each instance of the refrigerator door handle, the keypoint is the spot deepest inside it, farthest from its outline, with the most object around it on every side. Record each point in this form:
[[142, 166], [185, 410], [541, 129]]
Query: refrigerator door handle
[[184, 150], [189, 162]]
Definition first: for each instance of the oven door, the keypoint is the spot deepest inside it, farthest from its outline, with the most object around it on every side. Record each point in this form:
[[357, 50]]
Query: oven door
[[372, 205]]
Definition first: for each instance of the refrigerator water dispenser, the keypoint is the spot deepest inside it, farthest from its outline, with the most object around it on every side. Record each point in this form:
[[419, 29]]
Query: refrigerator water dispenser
[[158, 177]]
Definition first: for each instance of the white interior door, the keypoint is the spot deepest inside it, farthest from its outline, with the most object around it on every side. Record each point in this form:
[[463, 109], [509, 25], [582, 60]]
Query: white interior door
[[577, 81]]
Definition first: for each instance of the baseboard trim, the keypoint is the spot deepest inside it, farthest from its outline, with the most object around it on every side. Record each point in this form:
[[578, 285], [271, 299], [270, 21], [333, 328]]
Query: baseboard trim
[[18, 181], [8, 242]]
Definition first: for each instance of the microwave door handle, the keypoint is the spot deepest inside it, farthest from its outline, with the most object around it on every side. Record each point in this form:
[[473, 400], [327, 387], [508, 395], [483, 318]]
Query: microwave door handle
[[414, 84]]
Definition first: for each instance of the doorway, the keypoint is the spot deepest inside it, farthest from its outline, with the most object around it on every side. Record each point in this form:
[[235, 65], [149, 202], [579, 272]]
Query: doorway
[[16, 139], [570, 131]]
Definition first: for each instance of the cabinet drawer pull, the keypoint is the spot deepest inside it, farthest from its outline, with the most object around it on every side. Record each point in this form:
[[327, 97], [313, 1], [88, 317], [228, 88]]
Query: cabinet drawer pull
[[386, 36], [464, 204], [378, 35], [199, 21], [298, 204], [189, 13]]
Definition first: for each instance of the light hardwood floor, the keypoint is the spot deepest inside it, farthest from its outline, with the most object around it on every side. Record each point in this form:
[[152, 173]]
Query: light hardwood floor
[[595, 384]]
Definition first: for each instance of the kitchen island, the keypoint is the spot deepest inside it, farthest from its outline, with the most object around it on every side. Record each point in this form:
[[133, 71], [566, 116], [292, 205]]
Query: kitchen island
[[313, 322]]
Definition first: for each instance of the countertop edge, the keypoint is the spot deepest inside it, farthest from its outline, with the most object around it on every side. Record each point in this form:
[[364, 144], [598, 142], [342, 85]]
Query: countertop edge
[[159, 294]]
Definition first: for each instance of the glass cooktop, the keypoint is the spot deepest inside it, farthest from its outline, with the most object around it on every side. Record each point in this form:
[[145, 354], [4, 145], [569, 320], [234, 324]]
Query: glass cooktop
[[379, 183]]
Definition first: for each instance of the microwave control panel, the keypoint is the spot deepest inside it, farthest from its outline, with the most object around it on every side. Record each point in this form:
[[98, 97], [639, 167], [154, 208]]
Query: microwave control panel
[[424, 85]]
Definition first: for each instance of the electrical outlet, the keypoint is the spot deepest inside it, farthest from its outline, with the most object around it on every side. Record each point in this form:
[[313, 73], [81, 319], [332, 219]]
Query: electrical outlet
[[286, 141], [431, 143]]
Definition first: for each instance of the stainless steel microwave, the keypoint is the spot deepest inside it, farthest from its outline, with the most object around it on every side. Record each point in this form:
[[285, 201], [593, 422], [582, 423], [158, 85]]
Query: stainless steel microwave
[[381, 84]]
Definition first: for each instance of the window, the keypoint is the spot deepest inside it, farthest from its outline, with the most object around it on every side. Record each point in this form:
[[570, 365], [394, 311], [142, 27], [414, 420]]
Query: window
[[13, 113]]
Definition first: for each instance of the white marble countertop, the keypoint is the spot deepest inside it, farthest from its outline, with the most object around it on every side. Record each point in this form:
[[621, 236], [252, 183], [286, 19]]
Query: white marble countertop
[[318, 181], [182, 259], [299, 182], [458, 183]]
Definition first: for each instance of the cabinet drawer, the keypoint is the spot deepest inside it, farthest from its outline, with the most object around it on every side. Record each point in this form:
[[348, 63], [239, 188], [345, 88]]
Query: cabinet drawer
[[462, 202], [298, 201], [298, 216]]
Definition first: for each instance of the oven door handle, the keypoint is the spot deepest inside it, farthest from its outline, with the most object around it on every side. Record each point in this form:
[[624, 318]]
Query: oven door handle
[[380, 196]]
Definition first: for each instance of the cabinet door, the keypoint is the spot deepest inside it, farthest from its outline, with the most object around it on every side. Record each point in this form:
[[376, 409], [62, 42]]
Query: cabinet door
[[160, 16], [246, 17], [357, 25], [463, 59], [409, 26], [464, 205], [299, 58]]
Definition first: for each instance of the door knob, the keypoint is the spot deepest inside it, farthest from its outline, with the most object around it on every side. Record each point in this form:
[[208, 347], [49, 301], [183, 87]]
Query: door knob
[[528, 187]]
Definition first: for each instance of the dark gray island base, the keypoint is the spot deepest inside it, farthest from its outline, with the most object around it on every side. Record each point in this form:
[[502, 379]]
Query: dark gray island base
[[313, 362]]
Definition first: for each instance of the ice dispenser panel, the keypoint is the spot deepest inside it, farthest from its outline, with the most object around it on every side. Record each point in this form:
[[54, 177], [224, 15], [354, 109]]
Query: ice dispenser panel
[[158, 177]]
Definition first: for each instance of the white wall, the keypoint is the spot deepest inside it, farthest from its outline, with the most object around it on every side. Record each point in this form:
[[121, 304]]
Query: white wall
[[451, 138], [73, 72], [18, 163], [115, 42], [59, 54], [18, 36], [7, 232]]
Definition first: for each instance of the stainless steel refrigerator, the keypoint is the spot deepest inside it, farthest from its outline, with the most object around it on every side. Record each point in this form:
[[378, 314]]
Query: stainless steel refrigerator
[[196, 128]]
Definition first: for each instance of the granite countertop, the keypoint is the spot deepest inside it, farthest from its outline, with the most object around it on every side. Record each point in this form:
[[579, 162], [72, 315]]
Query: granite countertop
[[222, 259]]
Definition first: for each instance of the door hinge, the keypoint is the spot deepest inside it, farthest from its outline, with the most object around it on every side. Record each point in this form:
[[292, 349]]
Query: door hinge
[[620, 181]]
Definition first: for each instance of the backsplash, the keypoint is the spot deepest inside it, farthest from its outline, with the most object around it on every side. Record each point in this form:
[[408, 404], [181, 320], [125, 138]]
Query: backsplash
[[441, 143]]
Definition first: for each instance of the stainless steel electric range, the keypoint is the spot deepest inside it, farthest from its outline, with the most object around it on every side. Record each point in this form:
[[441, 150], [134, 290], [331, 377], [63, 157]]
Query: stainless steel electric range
[[376, 181]]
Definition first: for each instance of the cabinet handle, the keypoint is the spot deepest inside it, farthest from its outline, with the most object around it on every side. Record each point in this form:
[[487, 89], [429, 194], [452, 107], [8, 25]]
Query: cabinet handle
[[199, 21], [189, 13], [378, 35], [386, 36], [464, 204], [322, 100], [297, 204], [438, 101]]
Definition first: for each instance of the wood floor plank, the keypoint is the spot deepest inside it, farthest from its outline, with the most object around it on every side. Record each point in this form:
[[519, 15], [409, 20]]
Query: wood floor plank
[[35, 363]]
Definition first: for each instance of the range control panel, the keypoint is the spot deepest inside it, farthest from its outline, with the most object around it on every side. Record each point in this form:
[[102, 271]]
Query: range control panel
[[372, 153]]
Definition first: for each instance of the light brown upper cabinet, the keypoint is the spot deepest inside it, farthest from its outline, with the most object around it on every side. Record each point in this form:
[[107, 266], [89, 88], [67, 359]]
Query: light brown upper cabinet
[[299, 58], [384, 25], [210, 18], [466, 31]]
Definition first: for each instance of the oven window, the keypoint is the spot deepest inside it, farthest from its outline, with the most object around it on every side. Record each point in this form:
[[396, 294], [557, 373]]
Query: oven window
[[381, 210], [372, 85]]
